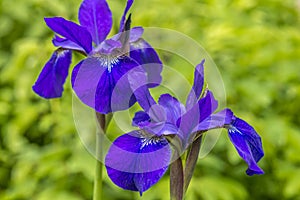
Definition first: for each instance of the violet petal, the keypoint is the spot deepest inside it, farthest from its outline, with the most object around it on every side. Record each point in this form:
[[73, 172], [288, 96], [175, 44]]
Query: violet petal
[[143, 53], [66, 44], [96, 16], [197, 86], [173, 108], [52, 77], [122, 21], [247, 143], [71, 31], [94, 81], [136, 161]]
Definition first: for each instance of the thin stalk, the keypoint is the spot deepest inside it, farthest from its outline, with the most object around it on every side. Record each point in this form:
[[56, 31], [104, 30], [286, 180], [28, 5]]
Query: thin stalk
[[98, 192], [176, 178], [191, 161]]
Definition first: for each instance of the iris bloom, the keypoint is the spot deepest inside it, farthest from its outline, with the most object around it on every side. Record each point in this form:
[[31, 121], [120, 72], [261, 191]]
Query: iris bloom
[[94, 78], [138, 159]]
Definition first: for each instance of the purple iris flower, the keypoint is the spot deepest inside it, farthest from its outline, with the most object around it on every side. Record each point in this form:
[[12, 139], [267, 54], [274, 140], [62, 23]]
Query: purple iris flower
[[138, 159], [94, 78]]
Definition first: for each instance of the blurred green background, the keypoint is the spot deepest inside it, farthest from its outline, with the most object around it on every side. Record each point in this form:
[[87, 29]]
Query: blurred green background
[[256, 46]]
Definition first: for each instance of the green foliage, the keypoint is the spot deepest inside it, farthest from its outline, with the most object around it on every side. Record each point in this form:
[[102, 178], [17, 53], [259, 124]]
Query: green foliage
[[255, 44]]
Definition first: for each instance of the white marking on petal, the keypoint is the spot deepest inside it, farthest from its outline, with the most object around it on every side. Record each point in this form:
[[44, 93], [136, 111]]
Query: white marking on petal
[[108, 61]]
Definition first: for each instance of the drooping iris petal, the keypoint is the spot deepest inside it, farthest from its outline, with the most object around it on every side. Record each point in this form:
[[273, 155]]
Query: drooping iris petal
[[50, 81], [197, 86], [173, 108], [94, 82], [122, 21], [217, 120], [247, 143], [96, 16], [199, 112], [141, 119], [146, 56], [71, 31], [136, 160], [161, 128], [66, 44]]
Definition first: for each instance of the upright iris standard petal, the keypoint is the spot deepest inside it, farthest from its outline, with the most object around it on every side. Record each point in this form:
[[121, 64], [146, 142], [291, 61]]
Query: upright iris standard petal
[[173, 108], [71, 31], [137, 160], [94, 82], [122, 21], [50, 81], [146, 56], [66, 44], [248, 144], [199, 112], [197, 85], [96, 16]]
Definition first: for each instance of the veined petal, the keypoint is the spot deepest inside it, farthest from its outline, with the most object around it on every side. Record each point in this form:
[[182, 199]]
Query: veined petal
[[199, 112], [66, 44], [71, 31], [137, 160], [197, 86], [173, 108], [94, 81], [247, 143], [143, 53], [217, 120], [96, 16], [122, 21], [50, 81]]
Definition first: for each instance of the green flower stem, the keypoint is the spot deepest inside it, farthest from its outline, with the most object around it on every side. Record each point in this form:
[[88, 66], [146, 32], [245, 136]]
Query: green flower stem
[[98, 192]]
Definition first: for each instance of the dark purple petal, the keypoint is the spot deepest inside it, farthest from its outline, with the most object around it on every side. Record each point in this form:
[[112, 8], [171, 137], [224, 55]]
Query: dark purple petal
[[199, 112], [96, 16], [94, 81], [141, 119], [136, 160], [66, 44], [71, 31], [218, 120], [142, 52], [197, 86], [173, 108], [248, 144], [53, 76], [122, 21]]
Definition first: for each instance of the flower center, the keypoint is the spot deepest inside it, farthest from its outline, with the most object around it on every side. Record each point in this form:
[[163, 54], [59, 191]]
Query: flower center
[[108, 61]]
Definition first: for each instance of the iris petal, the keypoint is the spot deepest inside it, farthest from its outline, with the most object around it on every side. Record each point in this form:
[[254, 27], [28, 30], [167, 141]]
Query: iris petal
[[94, 81], [143, 53], [71, 31], [247, 143], [137, 161], [66, 44], [141, 119], [96, 16], [197, 86], [199, 112], [173, 108], [50, 81], [122, 21]]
